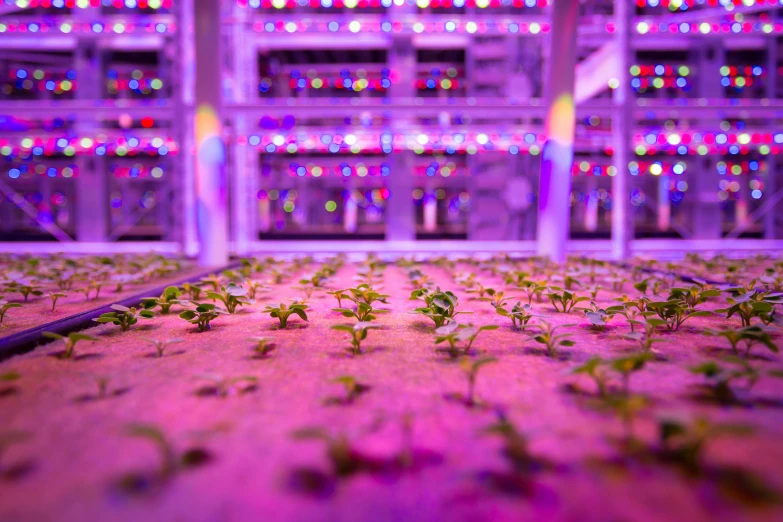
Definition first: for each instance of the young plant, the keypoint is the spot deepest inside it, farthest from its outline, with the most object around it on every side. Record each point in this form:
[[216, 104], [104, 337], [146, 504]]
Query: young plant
[[675, 312], [598, 317], [363, 313], [263, 346], [5, 306], [721, 378], [284, 311], [519, 314], [160, 346], [171, 462], [26, 287], [495, 298], [225, 386], [253, 287], [353, 390], [594, 368], [440, 306], [340, 295], [480, 290], [453, 334], [365, 294], [232, 296], [201, 314], [69, 341], [533, 289], [54, 297], [471, 369], [647, 338], [549, 337], [358, 333], [626, 366], [193, 290], [169, 297], [748, 304], [750, 334], [565, 299], [343, 458], [123, 316]]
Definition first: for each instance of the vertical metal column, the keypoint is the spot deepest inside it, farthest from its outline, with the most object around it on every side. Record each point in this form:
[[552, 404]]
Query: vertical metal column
[[773, 220], [185, 103], [211, 190], [622, 121], [93, 203], [558, 155], [400, 212]]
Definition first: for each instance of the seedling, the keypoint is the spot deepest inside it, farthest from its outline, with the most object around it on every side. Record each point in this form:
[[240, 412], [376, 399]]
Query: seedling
[[520, 315], [202, 314], [748, 304], [160, 346], [675, 312], [480, 290], [123, 316], [515, 446], [5, 306], [26, 287], [263, 346], [69, 341], [253, 287], [647, 338], [169, 297], [453, 334], [721, 378], [358, 333], [225, 386], [750, 334], [343, 458], [353, 390], [232, 296], [549, 337], [598, 317], [340, 295], [693, 296], [283, 312], [365, 294], [86, 291], [440, 305], [626, 366], [496, 299], [193, 290], [471, 369], [565, 299], [533, 289], [594, 368], [213, 281], [171, 462], [54, 297], [97, 285], [363, 313]]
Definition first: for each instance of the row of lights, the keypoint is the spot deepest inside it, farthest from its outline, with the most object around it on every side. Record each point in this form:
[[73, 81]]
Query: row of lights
[[684, 5], [361, 4], [80, 27], [39, 169], [86, 4], [385, 26], [99, 146]]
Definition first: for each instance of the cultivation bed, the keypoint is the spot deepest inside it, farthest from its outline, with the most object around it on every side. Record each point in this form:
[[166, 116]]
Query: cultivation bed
[[38, 309], [425, 454]]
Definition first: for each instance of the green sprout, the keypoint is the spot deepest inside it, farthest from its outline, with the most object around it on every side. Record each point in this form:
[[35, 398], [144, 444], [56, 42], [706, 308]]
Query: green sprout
[[263, 346], [353, 390], [123, 316], [495, 298], [69, 341], [193, 290], [566, 299], [479, 289], [519, 314], [471, 369], [549, 337], [440, 306], [748, 304], [283, 312], [363, 313], [646, 338], [232, 296], [358, 333], [5, 306], [225, 386], [453, 333], [160, 346], [720, 379], [171, 462], [26, 287], [201, 314], [340, 295], [169, 297], [253, 287], [365, 294], [594, 368], [626, 366], [750, 334], [675, 312], [54, 297]]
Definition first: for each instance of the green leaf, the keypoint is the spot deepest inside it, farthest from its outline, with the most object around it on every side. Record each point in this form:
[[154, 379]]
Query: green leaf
[[188, 314], [52, 335], [301, 313]]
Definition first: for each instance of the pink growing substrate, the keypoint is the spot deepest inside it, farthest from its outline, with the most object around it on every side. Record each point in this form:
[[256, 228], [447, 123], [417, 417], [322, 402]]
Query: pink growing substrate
[[77, 449]]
